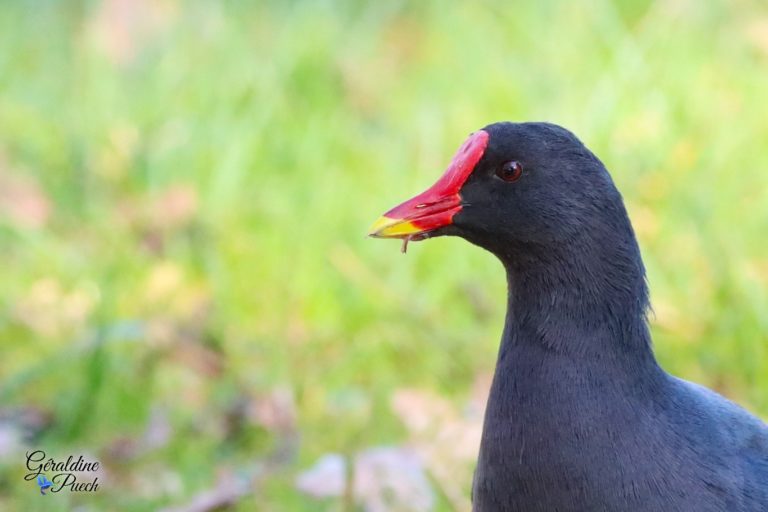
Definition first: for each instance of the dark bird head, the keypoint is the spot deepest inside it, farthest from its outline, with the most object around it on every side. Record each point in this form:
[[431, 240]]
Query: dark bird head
[[512, 187], [535, 196]]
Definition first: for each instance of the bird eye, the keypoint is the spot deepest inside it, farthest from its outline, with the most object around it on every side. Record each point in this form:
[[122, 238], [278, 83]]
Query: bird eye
[[510, 171]]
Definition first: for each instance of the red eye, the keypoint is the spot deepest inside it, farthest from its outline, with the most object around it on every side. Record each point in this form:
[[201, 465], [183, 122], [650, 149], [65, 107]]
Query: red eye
[[510, 171]]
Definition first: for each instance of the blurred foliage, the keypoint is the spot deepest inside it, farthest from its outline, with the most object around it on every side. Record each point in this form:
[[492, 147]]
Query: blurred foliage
[[187, 293]]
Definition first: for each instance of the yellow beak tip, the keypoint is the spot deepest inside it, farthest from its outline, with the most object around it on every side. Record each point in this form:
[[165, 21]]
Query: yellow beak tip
[[380, 224], [387, 227]]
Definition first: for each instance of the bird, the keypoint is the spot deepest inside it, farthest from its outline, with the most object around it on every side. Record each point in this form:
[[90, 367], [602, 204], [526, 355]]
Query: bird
[[580, 415], [43, 483]]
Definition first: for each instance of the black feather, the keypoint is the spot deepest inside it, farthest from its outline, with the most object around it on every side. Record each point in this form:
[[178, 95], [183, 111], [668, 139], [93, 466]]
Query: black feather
[[580, 416]]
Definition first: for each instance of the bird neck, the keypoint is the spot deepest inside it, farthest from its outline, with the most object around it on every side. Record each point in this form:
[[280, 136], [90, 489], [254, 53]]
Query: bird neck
[[589, 298]]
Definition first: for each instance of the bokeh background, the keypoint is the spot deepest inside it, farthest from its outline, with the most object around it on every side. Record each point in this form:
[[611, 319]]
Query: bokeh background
[[187, 294]]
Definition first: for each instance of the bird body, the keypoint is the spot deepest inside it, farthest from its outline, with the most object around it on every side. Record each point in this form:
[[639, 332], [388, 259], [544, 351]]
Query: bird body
[[580, 416], [577, 438]]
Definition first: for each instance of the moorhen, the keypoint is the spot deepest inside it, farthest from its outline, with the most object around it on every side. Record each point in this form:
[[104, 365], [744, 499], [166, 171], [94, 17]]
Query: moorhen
[[580, 416]]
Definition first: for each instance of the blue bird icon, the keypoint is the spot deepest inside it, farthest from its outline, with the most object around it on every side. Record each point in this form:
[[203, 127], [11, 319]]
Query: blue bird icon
[[44, 483]]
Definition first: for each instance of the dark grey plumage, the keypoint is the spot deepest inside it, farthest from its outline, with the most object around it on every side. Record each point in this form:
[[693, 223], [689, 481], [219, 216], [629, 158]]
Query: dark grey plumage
[[580, 415]]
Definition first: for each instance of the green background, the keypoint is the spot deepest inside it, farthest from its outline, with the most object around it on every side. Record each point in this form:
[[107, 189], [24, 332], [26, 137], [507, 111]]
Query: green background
[[187, 292]]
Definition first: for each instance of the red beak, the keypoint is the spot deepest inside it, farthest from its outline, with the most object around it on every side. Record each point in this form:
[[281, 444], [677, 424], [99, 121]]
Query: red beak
[[435, 207]]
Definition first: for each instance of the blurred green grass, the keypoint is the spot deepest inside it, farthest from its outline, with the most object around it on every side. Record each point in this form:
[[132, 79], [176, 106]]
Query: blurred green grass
[[186, 188]]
